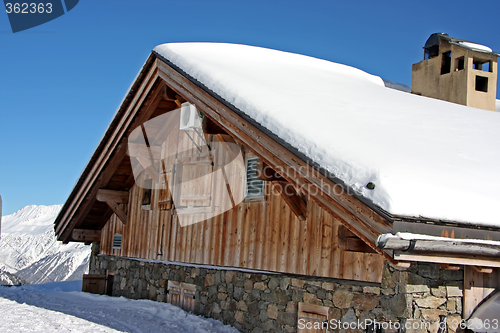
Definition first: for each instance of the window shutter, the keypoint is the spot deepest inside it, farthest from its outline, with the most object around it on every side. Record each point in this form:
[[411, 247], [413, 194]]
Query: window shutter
[[193, 183], [254, 186], [117, 241]]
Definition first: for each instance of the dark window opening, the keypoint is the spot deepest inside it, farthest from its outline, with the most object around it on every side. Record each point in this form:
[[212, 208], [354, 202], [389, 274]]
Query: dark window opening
[[146, 194], [446, 63], [459, 64], [431, 52], [482, 65], [481, 83]]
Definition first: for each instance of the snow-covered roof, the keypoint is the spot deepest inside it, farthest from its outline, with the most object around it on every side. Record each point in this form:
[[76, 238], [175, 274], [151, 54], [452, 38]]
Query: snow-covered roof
[[427, 157], [434, 40]]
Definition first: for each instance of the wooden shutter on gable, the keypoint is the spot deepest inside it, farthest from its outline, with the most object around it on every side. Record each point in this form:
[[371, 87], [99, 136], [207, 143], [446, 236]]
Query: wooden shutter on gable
[[193, 183]]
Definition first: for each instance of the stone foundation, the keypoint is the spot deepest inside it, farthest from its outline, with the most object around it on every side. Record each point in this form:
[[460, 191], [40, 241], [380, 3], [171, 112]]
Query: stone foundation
[[258, 302]]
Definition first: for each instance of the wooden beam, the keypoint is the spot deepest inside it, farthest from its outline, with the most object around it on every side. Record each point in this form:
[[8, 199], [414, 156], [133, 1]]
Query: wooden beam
[[266, 173], [357, 245], [120, 197], [228, 143], [449, 267], [113, 199], [210, 127], [149, 168], [84, 235], [449, 259], [139, 149], [487, 270], [112, 152], [292, 198]]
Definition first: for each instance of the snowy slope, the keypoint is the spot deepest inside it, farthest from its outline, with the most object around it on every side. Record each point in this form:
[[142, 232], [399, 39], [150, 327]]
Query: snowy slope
[[59, 307], [426, 157], [29, 248]]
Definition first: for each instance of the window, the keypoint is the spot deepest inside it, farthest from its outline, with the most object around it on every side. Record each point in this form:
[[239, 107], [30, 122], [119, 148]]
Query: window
[[482, 65], [117, 241], [431, 52], [146, 194], [459, 64], [254, 187], [446, 63], [481, 83]]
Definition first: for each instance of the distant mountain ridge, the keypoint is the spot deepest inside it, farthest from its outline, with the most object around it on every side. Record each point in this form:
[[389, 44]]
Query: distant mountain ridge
[[30, 252]]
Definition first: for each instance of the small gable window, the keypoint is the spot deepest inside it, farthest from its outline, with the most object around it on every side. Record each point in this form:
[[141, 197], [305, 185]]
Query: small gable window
[[117, 241], [254, 187]]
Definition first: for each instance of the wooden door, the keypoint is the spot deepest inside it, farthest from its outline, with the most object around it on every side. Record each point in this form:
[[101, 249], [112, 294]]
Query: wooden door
[[312, 318], [174, 293]]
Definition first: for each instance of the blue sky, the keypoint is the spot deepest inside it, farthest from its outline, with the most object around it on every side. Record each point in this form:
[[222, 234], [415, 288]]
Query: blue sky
[[61, 82]]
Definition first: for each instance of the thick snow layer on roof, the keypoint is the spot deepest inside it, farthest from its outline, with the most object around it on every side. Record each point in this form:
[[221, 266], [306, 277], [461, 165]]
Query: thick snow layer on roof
[[498, 105], [426, 157], [475, 46]]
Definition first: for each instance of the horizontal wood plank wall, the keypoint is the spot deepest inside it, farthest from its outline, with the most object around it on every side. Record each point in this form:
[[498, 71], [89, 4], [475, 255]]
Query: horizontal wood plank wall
[[263, 235]]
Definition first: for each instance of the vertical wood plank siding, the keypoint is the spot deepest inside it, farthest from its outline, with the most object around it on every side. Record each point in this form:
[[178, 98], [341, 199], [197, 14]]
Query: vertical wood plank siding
[[263, 234]]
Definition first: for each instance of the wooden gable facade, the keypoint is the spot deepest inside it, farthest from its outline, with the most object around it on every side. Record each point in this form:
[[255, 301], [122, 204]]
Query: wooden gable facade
[[325, 232], [303, 223]]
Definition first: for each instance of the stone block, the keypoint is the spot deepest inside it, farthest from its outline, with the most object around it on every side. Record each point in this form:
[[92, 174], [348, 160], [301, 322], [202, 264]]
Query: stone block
[[365, 302], [430, 271], [453, 323], [451, 305], [273, 283], [430, 302], [272, 311], [342, 298], [454, 291], [328, 286], [431, 314], [371, 290], [448, 275], [248, 285], [298, 283], [242, 305], [222, 296], [209, 280], [240, 318], [310, 298], [230, 275], [285, 283], [260, 286], [439, 291]]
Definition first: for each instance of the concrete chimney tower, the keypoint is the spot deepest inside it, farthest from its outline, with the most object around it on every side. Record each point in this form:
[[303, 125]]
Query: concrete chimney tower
[[458, 71]]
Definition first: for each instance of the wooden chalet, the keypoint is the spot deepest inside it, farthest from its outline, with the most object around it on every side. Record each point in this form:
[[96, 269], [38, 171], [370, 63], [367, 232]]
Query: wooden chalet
[[298, 225]]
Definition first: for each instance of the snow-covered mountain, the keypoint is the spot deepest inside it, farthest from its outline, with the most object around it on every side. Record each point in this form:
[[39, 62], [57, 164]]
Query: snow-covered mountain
[[29, 249]]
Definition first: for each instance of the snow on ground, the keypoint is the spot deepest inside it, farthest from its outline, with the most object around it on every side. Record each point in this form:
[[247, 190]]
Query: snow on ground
[[29, 248], [61, 307], [426, 157]]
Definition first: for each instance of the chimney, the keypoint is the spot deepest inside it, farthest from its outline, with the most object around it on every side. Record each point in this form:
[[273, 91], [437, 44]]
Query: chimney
[[458, 71]]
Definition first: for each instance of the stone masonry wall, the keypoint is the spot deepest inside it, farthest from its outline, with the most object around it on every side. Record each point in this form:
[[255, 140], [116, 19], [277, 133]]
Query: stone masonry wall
[[257, 302]]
